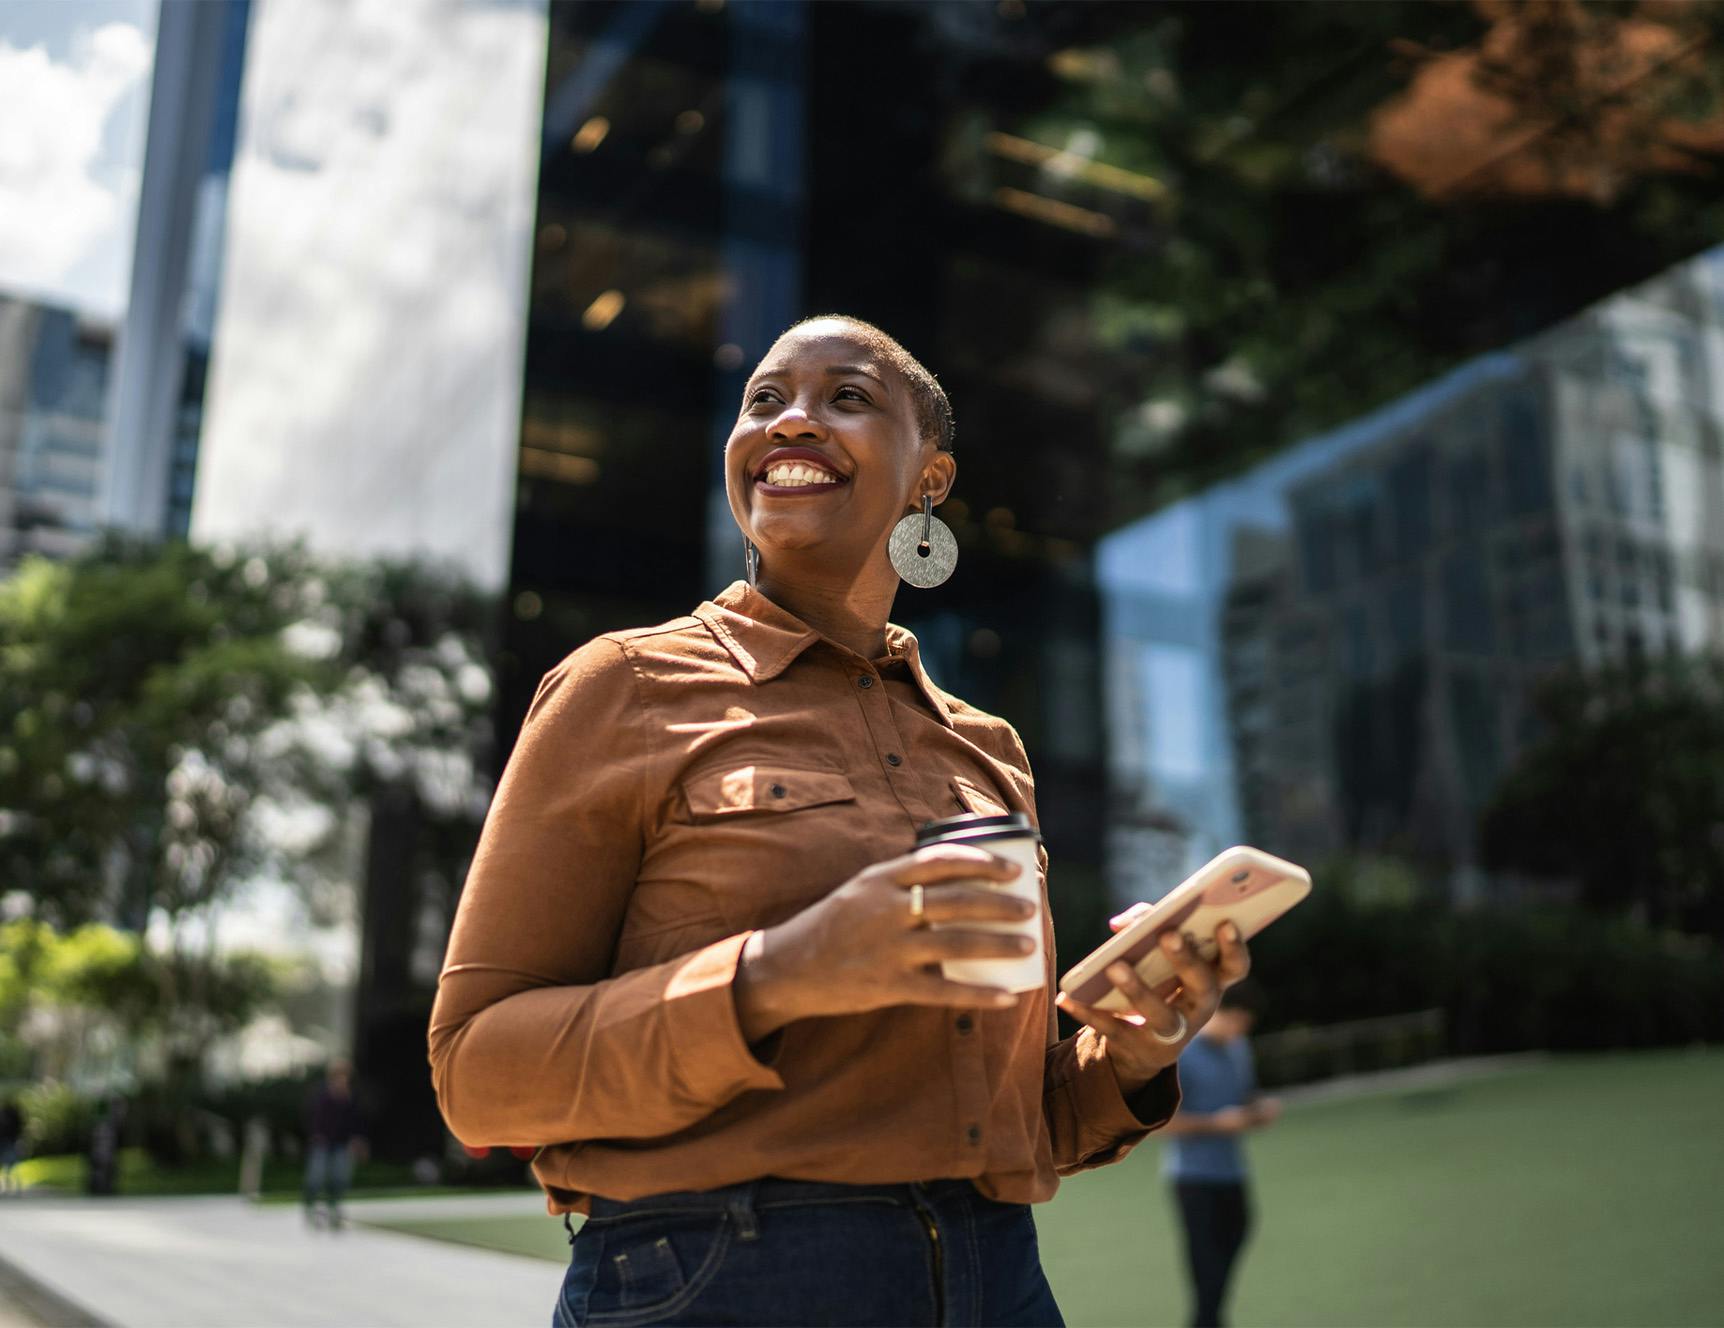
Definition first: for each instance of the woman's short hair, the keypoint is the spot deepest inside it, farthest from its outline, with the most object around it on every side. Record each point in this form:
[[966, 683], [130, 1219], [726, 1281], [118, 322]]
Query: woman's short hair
[[933, 410]]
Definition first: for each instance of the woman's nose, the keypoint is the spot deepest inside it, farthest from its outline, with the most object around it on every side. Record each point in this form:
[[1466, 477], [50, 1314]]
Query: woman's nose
[[795, 422]]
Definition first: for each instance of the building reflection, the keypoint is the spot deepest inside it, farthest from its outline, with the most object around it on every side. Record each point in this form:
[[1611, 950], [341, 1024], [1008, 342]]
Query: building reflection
[[1229, 568], [1329, 654], [54, 367], [708, 178], [80, 449], [1335, 653]]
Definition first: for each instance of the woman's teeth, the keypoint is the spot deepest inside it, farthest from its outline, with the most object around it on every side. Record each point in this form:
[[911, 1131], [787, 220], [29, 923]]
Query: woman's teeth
[[791, 474]]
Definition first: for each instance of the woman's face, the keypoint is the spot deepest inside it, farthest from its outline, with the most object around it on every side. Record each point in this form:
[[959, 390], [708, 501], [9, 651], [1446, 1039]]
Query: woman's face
[[826, 455]]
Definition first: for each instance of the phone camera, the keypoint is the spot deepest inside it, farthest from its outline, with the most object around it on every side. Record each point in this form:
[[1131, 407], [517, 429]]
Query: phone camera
[[1240, 877]]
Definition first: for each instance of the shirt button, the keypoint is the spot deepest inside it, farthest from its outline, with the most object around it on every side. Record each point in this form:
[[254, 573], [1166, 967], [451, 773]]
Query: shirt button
[[866, 680], [974, 1134], [892, 758], [965, 1023], [777, 790]]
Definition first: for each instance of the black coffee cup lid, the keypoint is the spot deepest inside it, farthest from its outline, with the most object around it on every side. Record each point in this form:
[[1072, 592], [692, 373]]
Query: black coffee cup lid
[[969, 828]]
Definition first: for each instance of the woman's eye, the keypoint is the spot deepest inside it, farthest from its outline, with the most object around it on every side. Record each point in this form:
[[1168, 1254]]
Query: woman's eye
[[761, 395], [855, 394]]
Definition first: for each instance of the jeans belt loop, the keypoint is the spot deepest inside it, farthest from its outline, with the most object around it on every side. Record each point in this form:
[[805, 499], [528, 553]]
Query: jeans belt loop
[[741, 1206]]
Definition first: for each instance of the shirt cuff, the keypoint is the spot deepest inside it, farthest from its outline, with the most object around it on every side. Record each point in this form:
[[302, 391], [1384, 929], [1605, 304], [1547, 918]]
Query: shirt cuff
[[713, 1062], [1110, 1124]]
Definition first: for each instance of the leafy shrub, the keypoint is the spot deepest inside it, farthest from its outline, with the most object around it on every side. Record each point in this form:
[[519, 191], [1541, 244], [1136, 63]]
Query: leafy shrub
[[280, 1102], [1508, 979], [56, 1119]]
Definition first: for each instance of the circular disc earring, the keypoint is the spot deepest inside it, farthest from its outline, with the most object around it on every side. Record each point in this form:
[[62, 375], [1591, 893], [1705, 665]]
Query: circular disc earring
[[922, 548], [750, 560]]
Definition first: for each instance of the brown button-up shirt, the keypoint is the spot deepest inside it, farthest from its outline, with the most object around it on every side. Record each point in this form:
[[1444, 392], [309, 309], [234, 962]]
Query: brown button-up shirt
[[675, 788]]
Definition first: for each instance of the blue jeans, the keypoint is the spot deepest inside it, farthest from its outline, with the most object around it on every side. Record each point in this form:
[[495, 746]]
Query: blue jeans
[[328, 1169], [795, 1252]]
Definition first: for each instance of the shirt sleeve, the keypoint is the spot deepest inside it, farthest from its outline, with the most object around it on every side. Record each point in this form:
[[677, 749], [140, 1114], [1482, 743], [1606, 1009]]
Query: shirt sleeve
[[1090, 1122], [531, 1042]]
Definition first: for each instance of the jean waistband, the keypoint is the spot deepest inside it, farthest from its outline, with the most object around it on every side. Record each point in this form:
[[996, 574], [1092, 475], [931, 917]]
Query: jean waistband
[[772, 1192]]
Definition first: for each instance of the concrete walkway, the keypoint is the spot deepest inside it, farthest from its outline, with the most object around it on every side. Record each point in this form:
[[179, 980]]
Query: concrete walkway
[[225, 1263], [1432, 1076]]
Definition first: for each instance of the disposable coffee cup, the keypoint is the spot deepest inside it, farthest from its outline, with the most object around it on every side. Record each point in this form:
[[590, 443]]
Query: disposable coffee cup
[[1012, 837]]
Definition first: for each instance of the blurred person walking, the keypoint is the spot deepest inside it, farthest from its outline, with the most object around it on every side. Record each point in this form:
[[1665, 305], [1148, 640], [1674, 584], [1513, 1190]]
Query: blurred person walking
[[333, 1138], [695, 964], [1205, 1157], [102, 1158], [11, 1146]]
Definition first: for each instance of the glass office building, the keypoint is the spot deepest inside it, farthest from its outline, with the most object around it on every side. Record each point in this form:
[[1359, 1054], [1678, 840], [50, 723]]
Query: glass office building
[[1326, 376], [1337, 651], [52, 409], [104, 348], [1268, 333]]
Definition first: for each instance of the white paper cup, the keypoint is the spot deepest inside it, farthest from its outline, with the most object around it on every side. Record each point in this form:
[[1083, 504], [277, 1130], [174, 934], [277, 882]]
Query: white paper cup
[[1012, 837]]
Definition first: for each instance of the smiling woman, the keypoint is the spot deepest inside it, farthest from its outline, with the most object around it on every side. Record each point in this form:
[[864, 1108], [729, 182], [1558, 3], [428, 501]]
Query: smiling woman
[[698, 965], [825, 415]]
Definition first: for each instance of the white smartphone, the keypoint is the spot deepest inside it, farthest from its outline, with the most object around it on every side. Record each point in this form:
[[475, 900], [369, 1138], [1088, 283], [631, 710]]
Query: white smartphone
[[1244, 886]]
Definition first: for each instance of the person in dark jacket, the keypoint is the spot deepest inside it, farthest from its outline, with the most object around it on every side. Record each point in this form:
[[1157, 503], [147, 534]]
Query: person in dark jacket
[[102, 1158], [11, 1145], [332, 1139]]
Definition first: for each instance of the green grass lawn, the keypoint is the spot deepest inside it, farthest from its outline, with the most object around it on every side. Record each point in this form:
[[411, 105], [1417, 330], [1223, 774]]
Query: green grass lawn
[[1579, 1192], [141, 1175]]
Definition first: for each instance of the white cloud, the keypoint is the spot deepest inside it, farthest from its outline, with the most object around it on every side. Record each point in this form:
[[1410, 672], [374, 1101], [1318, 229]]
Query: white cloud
[[365, 383], [66, 205]]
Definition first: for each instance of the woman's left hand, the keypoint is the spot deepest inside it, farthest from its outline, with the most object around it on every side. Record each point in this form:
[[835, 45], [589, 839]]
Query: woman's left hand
[[1135, 1052]]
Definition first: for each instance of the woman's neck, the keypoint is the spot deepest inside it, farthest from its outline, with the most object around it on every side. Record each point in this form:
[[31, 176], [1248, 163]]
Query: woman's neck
[[853, 615]]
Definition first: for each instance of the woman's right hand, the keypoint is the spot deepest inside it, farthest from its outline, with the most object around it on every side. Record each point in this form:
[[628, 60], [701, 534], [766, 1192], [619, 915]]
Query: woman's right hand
[[860, 948]]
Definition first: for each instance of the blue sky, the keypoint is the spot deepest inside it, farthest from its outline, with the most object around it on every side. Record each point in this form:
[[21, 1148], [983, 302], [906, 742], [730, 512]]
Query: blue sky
[[74, 94]]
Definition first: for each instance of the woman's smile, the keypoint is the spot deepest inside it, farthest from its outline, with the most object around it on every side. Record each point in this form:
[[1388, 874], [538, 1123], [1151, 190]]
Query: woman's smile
[[797, 471]]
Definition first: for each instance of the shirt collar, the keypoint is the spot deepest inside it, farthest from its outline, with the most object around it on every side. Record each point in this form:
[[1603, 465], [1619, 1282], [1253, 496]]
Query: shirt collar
[[765, 639], [901, 643]]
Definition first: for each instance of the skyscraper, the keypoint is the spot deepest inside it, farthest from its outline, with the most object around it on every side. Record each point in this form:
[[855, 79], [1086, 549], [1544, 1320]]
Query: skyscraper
[[107, 433], [1378, 604]]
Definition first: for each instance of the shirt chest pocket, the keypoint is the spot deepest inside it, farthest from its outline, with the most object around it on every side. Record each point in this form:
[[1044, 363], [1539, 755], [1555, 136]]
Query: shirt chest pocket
[[969, 796], [763, 841], [719, 796]]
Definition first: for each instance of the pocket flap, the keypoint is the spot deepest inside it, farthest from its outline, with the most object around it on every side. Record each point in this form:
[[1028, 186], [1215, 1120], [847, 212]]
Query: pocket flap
[[975, 799], [763, 788]]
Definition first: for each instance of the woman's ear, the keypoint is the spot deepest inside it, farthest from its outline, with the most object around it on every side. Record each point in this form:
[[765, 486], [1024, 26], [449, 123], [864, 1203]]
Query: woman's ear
[[938, 476]]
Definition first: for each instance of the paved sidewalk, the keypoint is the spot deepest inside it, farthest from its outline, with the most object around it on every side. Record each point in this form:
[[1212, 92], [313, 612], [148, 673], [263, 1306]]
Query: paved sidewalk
[[225, 1263], [1432, 1076]]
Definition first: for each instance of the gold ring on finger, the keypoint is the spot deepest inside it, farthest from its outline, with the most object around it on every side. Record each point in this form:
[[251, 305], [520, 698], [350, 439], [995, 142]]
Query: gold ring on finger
[[918, 904]]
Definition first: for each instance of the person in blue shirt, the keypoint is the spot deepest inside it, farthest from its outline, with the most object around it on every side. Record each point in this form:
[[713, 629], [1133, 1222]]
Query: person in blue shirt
[[1205, 1156]]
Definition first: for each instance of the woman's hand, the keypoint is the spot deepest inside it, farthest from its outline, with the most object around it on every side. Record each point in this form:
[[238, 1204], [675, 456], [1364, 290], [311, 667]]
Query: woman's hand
[[1133, 1049], [860, 948]]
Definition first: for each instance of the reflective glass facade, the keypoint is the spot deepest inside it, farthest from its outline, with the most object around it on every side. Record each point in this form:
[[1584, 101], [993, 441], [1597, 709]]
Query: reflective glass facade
[[54, 368], [61, 441], [1335, 652], [1310, 408], [364, 386]]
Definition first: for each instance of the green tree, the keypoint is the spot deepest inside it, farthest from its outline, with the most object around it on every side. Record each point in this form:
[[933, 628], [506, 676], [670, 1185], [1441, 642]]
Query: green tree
[[1624, 792], [95, 1009], [1281, 261], [177, 721], [140, 686], [135, 685]]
